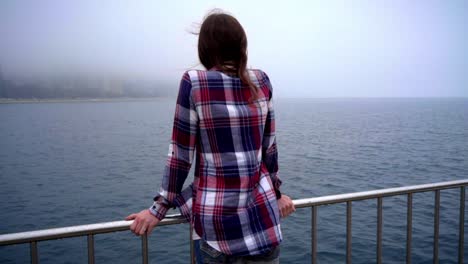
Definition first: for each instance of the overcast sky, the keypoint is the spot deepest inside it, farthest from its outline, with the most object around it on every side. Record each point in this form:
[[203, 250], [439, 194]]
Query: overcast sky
[[308, 48]]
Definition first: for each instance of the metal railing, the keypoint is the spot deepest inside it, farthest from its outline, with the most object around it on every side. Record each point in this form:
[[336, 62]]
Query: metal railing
[[33, 237]]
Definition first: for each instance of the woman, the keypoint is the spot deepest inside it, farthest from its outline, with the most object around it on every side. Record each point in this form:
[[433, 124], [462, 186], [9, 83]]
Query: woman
[[226, 114]]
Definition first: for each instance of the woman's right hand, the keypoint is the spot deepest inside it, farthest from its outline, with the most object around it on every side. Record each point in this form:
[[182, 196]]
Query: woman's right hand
[[286, 206], [143, 222]]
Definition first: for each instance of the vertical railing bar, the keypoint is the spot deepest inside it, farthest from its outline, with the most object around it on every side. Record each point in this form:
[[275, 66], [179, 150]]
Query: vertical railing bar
[[348, 231], [409, 227], [192, 256], [91, 249], [314, 234], [34, 257], [144, 248], [461, 234], [379, 230], [436, 226]]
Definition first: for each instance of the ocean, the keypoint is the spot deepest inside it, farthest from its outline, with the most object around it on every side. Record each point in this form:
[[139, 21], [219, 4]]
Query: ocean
[[73, 163]]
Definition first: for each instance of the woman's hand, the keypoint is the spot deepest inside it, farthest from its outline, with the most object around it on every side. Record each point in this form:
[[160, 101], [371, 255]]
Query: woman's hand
[[286, 206], [144, 222]]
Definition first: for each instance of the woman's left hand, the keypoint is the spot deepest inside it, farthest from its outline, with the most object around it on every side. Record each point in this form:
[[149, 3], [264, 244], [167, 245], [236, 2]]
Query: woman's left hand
[[143, 222]]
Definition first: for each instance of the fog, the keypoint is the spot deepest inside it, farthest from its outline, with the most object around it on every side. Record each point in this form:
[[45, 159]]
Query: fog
[[308, 48]]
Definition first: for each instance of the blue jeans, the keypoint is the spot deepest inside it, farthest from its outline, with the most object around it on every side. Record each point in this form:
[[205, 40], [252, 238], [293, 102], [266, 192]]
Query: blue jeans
[[205, 254]]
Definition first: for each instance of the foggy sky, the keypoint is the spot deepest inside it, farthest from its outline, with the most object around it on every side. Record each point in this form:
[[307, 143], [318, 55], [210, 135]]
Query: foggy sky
[[308, 48]]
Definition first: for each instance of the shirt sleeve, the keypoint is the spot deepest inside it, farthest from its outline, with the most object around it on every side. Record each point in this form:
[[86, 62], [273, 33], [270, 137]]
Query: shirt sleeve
[[181, 150], [269, 149]]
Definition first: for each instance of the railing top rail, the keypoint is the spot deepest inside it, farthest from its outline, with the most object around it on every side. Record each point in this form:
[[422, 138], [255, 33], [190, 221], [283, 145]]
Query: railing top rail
[[79, 230], [356, 196], [106, 227]]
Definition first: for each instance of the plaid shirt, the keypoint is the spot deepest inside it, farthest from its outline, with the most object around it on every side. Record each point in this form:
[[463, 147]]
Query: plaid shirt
[[232, 202]]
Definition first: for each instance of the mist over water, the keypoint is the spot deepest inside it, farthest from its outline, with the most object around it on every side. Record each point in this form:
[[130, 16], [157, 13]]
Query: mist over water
[[309, 49]]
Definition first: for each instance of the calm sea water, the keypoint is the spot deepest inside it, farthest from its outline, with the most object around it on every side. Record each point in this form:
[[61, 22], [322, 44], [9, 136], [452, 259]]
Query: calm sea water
[[68, 163]]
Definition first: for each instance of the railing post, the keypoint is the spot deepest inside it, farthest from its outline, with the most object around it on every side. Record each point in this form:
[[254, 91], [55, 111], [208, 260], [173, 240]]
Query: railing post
[[91, 249], [409, 227], [34, 257], [461, 231], [348, 231], [192, 255], [144, 248], [314, 234], [379, 230], [436, 226]]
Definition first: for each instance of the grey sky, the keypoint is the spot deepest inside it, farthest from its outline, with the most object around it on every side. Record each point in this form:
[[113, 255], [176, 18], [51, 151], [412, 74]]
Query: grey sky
[[308, 48]]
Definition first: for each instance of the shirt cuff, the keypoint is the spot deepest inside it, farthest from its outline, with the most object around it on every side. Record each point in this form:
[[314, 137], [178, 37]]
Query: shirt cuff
[[158, 210]]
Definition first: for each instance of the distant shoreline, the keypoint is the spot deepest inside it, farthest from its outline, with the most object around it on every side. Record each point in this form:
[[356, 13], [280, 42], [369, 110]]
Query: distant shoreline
[[142, 99], [77, 100]]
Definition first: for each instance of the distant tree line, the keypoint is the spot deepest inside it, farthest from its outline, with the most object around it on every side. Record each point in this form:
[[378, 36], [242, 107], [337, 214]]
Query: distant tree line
[[80, 88]]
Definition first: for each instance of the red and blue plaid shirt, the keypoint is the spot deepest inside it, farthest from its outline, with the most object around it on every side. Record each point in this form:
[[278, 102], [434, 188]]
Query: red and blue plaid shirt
[[232, 202]]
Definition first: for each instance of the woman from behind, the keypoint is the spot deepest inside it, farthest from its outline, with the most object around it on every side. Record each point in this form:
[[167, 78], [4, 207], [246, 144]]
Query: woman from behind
[[225, 119]]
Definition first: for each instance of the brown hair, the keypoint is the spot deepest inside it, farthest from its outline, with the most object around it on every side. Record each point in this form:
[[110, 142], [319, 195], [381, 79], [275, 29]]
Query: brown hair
[[222, 43]]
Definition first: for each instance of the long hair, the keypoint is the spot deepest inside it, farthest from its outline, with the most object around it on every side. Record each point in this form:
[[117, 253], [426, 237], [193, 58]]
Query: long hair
[[222, 44]]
